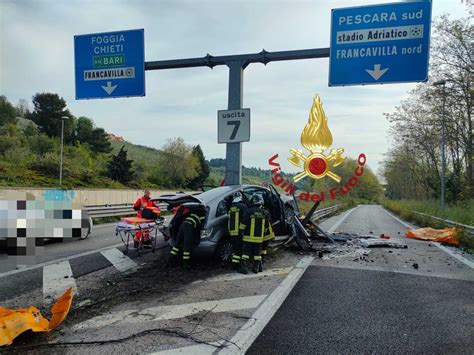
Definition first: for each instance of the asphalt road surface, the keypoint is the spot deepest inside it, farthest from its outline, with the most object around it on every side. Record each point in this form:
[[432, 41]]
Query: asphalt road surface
[[355, 299], [377, 303]]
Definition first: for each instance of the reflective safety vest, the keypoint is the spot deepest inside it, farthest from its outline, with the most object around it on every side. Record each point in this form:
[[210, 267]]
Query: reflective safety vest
[[269, 234], [194, 219], [255, 228], [235, 218]]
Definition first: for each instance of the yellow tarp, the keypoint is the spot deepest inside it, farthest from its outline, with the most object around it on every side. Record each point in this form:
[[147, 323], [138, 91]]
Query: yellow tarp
[[15, 322], [446, 235]]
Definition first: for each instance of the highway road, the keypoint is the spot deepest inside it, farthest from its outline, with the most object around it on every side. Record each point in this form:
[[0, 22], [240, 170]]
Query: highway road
[[353, 300]]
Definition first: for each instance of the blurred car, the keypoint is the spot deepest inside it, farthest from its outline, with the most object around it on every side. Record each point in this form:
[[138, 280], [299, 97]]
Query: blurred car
[[26, 222], [215, 240]]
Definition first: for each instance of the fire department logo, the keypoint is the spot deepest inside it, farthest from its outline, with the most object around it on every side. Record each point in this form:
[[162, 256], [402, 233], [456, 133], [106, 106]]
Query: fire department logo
[[316, 138]]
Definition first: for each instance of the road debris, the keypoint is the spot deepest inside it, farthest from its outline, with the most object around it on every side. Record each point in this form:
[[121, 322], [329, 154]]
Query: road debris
[[16, 322], [446, 235], [415, 265], [377, 243]]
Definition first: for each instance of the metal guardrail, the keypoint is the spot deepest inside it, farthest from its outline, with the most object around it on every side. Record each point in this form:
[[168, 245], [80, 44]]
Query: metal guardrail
[[325, 211], [115, 210], [467, 228]]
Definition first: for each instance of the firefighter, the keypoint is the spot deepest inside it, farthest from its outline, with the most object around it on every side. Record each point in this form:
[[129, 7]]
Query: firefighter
[[236, 217], [188, 237], [269, 235], [255, 224]]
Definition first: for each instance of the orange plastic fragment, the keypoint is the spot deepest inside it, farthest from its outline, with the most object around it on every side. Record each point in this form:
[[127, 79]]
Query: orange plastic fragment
[[60, 309], [446, 235], [15, 322]]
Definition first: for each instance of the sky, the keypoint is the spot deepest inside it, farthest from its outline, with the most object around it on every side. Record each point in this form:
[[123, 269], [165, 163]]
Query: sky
[[37, 55]]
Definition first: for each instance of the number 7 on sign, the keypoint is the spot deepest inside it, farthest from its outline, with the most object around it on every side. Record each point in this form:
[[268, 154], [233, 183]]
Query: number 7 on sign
[[236, 125]]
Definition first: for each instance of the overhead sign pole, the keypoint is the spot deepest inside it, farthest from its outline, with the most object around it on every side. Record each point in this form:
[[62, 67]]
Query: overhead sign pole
[[237, 65]]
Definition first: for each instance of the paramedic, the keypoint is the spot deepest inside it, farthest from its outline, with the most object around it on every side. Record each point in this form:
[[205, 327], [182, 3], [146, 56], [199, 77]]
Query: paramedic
[[144, 202]]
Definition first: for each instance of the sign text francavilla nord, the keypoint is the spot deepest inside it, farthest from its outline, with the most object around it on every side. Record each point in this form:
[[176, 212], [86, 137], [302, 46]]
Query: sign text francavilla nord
[[377, 44]]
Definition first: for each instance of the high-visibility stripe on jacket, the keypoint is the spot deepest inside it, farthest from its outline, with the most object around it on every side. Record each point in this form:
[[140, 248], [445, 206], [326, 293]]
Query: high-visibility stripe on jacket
[[255, 229], [235, 218], [194, 219]]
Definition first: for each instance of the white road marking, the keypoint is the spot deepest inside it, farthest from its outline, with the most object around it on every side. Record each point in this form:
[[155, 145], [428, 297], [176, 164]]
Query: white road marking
[[120, 261], [57, 278], [234, 277], [192, 350], [171, 312], [12, 272], [443, 248], [241, 341], [338, 223]]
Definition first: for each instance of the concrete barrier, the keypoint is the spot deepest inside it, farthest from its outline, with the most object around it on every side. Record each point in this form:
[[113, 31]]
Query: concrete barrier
[[84, 197]]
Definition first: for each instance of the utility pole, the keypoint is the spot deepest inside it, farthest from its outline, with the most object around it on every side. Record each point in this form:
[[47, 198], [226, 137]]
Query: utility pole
[[443, 160], [62, 149]]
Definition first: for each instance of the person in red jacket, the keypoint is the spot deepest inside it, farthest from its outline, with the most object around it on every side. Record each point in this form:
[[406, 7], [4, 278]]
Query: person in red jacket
[[144, 202]]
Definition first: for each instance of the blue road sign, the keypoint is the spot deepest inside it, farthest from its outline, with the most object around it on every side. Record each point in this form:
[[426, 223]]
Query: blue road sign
[[110, 64], [380, 44]]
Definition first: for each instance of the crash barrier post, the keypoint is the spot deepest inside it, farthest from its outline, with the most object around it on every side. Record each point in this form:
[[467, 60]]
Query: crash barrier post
[[469, 229]]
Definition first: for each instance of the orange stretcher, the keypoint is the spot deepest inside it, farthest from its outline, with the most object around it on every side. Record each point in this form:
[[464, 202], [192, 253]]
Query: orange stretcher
[[142, 232]]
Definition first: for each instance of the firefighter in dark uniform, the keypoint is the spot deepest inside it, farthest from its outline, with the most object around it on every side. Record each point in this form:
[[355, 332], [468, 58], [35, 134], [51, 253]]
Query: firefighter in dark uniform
[[255, 223], [269, 235], [236, 217], [188, 237]]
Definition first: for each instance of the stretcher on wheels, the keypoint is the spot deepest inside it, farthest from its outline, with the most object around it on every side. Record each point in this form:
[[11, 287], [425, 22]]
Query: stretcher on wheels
[[140, 232]]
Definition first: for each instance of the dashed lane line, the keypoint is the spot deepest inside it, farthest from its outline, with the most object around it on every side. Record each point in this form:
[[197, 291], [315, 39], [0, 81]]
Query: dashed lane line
[[120, 261], [57, 278], [12, 272], [160, 313], [443, 248]]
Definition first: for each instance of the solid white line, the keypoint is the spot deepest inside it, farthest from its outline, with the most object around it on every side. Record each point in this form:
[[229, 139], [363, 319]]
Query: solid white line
[[234, 277], [410, 226], [121, 262], [200, 349], [57, 278], [171, 312], [241, 341], [338, 223], [456, 256], [58, 260], [443, 248]]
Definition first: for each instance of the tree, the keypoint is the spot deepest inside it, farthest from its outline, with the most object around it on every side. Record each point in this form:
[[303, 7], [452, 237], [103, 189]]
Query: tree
[[84, 128], [202, 169], [412, 167], [119, 168], [177, 164], [7, 112], [22, 108], [49, 110]]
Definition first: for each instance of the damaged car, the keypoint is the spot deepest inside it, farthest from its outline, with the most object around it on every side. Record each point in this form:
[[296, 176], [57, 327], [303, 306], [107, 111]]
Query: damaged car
[[215, 240]]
